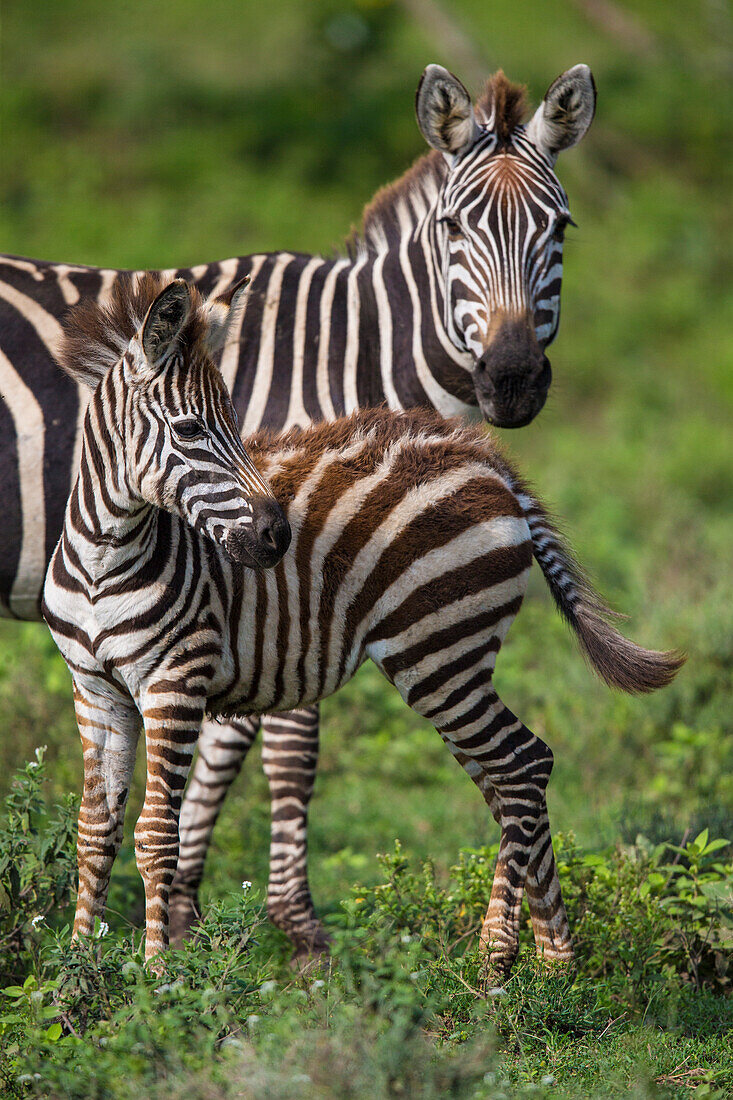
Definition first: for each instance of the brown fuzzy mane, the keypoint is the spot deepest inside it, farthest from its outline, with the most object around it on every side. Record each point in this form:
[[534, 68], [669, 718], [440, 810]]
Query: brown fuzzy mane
[[380, 214], [96, 335], [381, 427], [504, 104]]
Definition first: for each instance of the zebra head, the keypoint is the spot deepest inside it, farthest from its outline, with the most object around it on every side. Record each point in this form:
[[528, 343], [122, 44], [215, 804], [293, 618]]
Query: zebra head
[[188, 455], [500, 221], [168, 406]]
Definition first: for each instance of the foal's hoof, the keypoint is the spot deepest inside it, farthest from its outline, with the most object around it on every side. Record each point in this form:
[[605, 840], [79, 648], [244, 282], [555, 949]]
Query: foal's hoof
[[494, 974], [560, 966], [312, 951], [310, 965], [183, 915]]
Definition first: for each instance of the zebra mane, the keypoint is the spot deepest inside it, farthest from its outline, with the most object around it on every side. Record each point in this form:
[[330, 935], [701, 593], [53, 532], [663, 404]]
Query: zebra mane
[[380, 220], [501, 107], [95, 335]]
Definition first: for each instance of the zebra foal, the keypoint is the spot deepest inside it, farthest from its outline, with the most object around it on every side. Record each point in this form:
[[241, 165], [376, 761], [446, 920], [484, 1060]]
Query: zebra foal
[[412, 539], [164, 495]]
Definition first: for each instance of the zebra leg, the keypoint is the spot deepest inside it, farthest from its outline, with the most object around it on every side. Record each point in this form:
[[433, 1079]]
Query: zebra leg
[[222, 749], [542, 887], [549, 920], [172, 722], [490, 741], [109, 732], [290, 758]]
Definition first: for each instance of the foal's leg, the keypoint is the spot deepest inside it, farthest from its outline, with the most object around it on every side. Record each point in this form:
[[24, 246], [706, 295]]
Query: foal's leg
[[222, 749], [290, 758], [544, 897], [511, 766], [542, 886], [518, 765], [109, 729], [172, 723]]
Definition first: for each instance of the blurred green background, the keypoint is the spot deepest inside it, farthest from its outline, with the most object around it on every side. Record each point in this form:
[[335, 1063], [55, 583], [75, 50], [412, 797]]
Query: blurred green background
[[153, 135]]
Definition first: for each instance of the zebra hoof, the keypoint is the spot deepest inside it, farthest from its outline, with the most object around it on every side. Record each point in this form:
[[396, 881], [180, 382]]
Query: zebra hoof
[[312, 950], [183, 915], [495, 973]]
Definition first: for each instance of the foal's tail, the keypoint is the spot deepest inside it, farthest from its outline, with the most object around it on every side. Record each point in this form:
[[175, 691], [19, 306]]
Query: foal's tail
[[619, 662]]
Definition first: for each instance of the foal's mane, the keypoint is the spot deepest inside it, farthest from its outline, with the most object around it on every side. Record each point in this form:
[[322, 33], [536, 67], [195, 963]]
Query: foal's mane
[[97, 334]]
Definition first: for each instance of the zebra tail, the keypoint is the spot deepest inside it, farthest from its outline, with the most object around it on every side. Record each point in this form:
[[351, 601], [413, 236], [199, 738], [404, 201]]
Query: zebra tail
[[621, 663]]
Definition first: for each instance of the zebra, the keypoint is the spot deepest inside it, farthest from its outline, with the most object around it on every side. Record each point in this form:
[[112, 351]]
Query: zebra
[[448, 298], [412, 540], [165, 491]]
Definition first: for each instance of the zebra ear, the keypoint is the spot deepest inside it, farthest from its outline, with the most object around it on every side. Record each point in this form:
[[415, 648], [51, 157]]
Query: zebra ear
[[445, 112], [223, 313], [565, 113], [165, 319]]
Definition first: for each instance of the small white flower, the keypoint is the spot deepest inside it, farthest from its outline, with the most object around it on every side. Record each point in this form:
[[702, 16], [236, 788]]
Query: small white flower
[[40, 751], [405, 938], [103, 929], [318, 983], [246, 885], [37, 920]]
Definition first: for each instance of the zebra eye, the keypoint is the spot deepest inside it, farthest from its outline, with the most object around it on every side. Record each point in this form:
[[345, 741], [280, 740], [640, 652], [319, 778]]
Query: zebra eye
[[453, 226], [561, 224], [188, 429]]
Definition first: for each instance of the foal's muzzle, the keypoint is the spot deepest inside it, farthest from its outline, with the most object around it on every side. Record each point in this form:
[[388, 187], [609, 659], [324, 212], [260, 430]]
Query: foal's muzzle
[[261, 543]]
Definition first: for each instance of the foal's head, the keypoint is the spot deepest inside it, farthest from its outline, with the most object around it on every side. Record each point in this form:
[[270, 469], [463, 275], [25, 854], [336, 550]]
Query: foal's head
[[162, 417]]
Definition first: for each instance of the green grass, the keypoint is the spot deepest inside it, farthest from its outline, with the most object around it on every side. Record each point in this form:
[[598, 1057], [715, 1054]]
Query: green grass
[[165, 135]]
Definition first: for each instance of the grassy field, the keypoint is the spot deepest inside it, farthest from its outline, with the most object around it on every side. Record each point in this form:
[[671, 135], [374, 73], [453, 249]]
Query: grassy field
[[169, 134]]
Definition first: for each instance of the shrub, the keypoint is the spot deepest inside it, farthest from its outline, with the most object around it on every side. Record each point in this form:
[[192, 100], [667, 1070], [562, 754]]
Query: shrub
[[37, 865]]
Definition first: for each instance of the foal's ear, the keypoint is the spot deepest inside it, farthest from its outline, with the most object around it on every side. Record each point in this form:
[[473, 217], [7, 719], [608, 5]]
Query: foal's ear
[[222, 314], [165, 320], [565, 113], [445, 112]]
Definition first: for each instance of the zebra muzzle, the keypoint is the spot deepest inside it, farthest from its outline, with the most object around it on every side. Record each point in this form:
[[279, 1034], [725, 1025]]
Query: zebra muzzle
[[261, 543], [512, 377]]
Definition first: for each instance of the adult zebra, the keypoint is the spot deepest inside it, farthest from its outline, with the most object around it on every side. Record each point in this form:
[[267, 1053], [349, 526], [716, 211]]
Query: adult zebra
[[449, 298]]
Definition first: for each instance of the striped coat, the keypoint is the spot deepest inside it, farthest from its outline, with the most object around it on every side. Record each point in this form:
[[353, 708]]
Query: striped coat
[[412, 540], [449, 298]]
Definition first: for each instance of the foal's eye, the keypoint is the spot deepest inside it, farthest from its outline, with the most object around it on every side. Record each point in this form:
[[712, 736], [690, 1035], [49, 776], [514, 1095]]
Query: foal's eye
[[453, 226], [188, 429]]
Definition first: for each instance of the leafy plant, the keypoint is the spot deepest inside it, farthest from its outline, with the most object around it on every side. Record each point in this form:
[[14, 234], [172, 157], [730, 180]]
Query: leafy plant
[[37, 864]]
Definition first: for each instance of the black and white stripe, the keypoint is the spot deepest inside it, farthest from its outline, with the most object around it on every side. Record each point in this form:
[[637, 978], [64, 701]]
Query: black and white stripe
[[412, 540], [164, 484], [417, 315]]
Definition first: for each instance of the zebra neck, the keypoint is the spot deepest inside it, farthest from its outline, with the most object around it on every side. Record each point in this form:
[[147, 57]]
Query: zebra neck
[[400, 309], [108, 524]]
